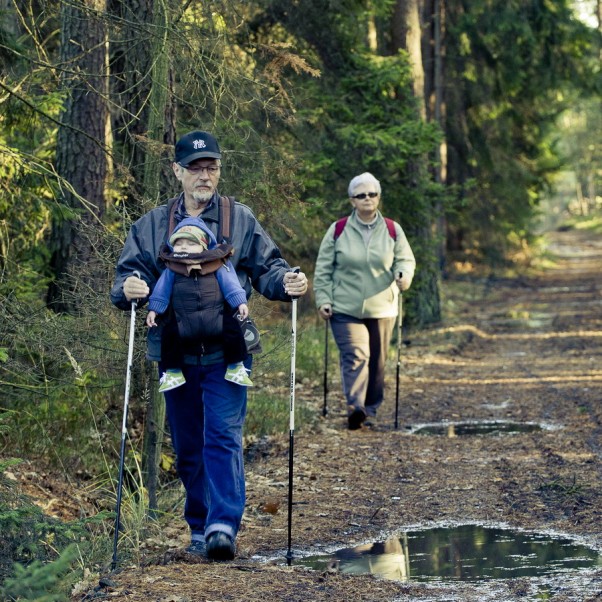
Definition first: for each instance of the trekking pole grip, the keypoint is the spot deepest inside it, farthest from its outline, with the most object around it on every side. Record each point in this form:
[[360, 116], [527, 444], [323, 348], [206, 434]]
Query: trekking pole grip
[[135, 301]]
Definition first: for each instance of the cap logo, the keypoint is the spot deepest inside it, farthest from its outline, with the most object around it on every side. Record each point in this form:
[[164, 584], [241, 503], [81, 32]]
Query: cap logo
[[199, 144]]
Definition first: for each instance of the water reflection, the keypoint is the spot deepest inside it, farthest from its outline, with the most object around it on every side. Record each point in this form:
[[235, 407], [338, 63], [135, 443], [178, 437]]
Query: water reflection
[[467, 553], [459, 429], [389, 559]]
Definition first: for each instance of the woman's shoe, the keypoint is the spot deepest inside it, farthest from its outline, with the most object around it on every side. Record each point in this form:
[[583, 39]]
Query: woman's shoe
[[356, 418]]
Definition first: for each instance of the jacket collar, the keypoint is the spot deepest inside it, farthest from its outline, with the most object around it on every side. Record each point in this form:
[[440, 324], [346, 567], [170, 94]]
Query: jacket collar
[[358, 224], [209, 214]]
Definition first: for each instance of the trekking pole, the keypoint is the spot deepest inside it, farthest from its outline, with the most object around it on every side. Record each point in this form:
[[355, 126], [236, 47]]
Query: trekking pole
[[126, 398], [325, 408], [399, 320], [291, 439]]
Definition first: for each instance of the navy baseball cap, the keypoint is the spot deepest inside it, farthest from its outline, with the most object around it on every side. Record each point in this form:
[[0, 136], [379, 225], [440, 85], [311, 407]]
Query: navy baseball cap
[[196, 145]]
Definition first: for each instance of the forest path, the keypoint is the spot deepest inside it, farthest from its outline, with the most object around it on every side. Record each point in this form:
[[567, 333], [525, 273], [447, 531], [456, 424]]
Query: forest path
[[526, 350]]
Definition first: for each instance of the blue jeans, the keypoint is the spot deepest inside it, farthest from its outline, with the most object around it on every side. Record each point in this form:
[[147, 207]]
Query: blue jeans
[[206, 417]]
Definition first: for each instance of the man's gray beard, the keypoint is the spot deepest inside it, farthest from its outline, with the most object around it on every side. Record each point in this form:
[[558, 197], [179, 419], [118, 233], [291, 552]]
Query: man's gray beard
[[202, 197]]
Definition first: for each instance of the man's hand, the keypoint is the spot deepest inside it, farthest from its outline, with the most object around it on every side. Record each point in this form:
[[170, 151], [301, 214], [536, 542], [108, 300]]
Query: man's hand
[[135, 288], [325, 311], [295, 284], [151, 319]]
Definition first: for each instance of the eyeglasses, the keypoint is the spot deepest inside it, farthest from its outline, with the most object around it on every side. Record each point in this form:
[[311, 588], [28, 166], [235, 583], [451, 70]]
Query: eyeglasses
[[363, 195], [211, 170]]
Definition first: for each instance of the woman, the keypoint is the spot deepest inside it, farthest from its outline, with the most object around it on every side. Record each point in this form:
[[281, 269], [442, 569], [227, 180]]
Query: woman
[[363, 262]]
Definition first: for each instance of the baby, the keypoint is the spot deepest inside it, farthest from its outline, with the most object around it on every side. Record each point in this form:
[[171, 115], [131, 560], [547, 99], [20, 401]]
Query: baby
[[189, 240]]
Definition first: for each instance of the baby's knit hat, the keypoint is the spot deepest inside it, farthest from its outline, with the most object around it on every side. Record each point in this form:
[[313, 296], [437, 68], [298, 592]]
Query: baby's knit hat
[[193, 233]]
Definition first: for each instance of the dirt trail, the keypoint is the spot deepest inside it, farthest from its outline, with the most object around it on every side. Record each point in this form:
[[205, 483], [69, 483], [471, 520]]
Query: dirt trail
[[525, 350]]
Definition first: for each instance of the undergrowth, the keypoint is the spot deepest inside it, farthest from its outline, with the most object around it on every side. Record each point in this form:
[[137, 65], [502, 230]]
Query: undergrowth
[[37, 550], [62, 413]]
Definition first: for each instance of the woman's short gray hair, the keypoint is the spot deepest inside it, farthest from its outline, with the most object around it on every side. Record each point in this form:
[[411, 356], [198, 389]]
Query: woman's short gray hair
[[364, 178]]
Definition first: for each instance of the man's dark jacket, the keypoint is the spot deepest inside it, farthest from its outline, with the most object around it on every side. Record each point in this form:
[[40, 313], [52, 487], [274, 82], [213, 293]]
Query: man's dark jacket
[[257, 260]]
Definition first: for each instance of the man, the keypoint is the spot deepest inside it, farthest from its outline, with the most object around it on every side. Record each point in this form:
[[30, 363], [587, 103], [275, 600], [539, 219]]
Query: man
[[207, 413]]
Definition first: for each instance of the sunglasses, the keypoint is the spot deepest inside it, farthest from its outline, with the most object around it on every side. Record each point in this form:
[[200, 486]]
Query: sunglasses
[[363, 195]]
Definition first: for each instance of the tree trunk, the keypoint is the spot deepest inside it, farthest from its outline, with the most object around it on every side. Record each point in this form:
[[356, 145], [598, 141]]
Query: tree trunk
[[131, 66], [161, 118], [81, 156], [425, 308], [142, 80], [154, 434], [406, 34], [10, 22], [160, 139], [439, 115], [434, 46]]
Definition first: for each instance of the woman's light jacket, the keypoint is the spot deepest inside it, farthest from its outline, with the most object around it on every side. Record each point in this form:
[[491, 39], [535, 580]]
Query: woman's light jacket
[[359, 279]]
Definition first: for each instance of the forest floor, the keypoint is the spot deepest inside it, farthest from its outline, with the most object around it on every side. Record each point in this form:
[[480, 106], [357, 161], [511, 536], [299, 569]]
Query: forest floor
[[526, 350]]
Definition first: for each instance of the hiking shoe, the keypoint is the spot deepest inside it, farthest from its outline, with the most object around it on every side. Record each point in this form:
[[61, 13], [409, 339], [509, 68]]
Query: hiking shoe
[[356, 418], [220, 546], [238, 374], [197, 547], [370, 421], [170, 380]]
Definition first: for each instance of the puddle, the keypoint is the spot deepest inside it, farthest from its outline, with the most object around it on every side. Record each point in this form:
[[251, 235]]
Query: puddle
[[564, 289], [462, 553], [460, 429], [527, 319]]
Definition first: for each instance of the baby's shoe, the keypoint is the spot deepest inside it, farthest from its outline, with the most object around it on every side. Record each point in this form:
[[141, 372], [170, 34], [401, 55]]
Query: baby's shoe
[[170, 380], [237, 373]]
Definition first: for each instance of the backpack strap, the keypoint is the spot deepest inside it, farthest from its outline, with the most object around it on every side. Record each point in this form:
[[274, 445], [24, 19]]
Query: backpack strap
[[391, 227], [226, 217], [172, 206], [340, 226]]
